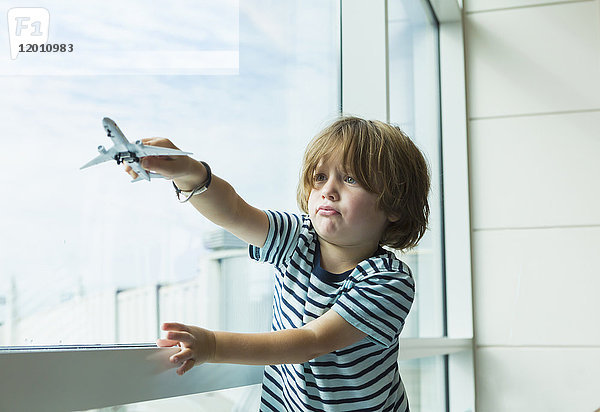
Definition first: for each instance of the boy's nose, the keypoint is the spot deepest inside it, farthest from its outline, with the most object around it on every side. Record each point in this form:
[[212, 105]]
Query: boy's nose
[[330, 192], [329, 196]]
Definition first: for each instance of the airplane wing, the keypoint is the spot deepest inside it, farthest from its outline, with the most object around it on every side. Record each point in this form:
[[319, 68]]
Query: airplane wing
[[144, 150], [103, 157]]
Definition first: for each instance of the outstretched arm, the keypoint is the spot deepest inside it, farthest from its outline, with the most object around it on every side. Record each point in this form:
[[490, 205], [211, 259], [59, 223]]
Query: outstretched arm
[[220, 203], [323, 335]]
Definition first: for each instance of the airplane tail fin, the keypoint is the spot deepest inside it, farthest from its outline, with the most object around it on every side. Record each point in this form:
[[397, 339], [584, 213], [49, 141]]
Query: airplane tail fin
[[151, 175], [137, 179]]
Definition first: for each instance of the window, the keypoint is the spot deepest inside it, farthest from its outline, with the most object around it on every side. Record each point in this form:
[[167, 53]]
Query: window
[[88, 258], [414, 104], [424, 379]]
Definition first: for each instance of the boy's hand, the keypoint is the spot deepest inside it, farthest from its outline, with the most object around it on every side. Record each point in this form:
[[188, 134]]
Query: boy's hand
[[197, 345], [185, 171]]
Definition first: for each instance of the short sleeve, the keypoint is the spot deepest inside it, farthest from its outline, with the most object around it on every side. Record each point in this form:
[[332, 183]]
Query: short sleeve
[[378, 305], [284, 230]]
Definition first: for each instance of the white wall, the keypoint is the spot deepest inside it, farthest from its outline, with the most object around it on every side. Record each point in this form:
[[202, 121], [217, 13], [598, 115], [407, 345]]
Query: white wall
[[533, 78]]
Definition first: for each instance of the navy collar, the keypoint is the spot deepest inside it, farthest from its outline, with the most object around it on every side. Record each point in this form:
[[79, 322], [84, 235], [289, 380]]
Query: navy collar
[[329, 277]]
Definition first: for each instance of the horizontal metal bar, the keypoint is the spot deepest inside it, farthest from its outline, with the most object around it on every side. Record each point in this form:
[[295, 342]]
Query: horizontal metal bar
[[56, 348], [79, 377], [413, 348], [61, 380]]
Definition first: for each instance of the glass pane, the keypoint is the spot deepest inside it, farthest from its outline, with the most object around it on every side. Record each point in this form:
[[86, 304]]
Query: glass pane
[[88, 257], [414, 106], [424, 380]]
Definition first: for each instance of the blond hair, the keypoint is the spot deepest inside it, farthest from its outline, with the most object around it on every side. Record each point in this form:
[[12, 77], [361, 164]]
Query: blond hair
[[384, 160]]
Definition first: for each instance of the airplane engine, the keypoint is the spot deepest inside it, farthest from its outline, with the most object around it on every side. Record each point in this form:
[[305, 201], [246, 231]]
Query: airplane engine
[[138, 142], [101, 149]]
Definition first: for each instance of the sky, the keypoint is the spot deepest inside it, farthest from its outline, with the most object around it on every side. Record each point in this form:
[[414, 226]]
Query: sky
[[64, 231]]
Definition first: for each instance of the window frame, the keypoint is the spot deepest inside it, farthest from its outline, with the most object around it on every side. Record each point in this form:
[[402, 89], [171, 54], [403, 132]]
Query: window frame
[[365, 92], [95, 376], [460, 368]]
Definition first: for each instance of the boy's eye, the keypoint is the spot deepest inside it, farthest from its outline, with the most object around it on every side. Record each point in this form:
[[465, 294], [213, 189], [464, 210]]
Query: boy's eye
[[351, 180], [319, 177]]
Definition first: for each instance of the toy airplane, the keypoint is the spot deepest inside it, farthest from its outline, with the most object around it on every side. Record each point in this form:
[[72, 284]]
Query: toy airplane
[[131, 153]]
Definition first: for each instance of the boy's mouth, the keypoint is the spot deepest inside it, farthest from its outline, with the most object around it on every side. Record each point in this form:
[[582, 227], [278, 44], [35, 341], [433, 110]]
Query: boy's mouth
[[327, 211]]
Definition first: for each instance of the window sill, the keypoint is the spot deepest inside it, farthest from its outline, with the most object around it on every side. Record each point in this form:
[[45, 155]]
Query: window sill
[[88, 377], [413, 348], [81, 377]]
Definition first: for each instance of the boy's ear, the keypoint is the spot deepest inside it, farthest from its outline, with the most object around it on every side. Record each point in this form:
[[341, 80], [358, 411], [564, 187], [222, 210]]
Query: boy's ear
[[393, 217]]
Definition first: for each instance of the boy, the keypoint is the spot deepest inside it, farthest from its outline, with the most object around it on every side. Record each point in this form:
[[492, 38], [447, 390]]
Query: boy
[[340, 299]]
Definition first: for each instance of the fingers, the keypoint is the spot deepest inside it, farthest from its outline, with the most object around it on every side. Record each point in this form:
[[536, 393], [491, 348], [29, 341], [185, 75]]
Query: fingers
[[157, 163], [183, 337], [168, 166], [129, 170], [166, 343], [172, 166], [177, 333], [175, 326], [187, 365], [159, 141], [185, 357], [182, 356]]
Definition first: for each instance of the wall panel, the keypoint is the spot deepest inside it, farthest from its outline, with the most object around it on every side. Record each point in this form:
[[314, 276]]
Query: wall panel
[[535, 171], [488, 5], [538, 379], [537, 287], [534, 60]]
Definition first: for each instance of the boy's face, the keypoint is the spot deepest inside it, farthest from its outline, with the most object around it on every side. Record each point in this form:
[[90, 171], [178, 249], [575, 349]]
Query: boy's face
[[341, 210]]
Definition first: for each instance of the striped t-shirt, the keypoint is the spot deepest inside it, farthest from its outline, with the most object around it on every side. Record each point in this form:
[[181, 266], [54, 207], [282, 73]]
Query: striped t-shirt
[[375, 297]]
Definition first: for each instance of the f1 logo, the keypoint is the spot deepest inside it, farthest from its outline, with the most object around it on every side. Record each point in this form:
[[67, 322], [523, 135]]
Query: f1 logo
[[27, 25]]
